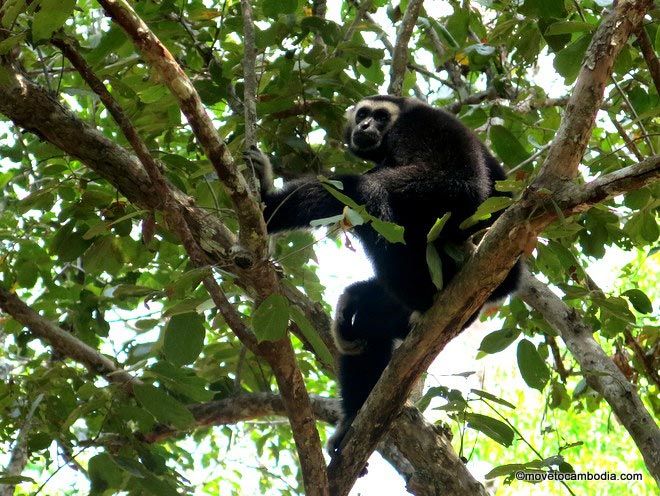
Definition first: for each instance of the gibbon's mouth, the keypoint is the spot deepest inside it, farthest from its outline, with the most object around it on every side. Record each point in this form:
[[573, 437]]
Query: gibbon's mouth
[[365, 140]]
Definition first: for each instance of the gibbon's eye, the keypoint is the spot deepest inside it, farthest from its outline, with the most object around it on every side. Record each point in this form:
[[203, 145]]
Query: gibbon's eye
[[361, 114], [381, 115]]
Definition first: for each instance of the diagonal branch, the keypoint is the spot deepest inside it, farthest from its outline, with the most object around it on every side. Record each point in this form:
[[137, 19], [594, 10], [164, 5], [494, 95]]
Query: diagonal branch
[[510, 235], [253, 227], [598, 369], [64, 342], [650, 57], [279, 355], [400, 52]]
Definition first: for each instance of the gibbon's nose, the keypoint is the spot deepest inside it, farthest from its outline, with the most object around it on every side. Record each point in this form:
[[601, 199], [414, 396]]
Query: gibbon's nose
[[365, 124]]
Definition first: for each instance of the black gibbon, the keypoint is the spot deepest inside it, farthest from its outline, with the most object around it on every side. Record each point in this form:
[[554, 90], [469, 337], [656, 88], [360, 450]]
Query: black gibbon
[[427, 163]]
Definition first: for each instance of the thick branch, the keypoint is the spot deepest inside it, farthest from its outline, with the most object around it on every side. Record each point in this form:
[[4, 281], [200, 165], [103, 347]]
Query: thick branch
[[400, 52], [598, 369], [511, 235], [437, 468], [62, 341], [253, 227], [33, 109], [575, 130]]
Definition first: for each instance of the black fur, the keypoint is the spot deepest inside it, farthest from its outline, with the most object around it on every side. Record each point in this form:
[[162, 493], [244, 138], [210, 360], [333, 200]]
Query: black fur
[[427, 163]]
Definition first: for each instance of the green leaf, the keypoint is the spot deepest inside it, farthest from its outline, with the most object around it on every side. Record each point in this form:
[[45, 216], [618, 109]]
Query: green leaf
[[507, 469], [104, 473], [495, 429], [103, 255], [491, 205], [434, 232], [507, 146], [532, 367], [543, 8], [492, 397], [435, 265], [392, 232], [270, 318], [274, 8], [498, 340], [569, 60], [311, 335], [458, 24], [51, 17], [27, 273], [164, 407], [184, 338], [639, 300], [567, 27]]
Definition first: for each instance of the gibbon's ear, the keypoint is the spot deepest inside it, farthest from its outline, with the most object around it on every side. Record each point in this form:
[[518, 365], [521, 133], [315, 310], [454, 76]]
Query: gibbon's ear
[[348, 115]]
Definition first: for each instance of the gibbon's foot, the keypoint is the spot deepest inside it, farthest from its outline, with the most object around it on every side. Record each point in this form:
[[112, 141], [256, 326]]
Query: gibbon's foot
[[334, 443]]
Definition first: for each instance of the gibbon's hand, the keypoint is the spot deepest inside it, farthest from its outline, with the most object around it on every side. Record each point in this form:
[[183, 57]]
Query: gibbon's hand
[[259, 161]]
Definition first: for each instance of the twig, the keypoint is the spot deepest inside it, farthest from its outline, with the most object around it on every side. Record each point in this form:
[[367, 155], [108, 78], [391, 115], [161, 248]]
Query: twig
[[400, 52], [630, 144], [19, 453], [249, 75], [556, 356], [650, 57]]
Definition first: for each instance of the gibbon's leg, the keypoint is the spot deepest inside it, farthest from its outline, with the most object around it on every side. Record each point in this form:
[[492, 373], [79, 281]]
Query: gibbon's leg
[[358, 374], [368, 321]]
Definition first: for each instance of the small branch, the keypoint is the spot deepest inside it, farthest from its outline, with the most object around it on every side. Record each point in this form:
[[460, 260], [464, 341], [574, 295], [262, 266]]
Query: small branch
[[598, 369], [630, 144], [650, 57], [362, 10], [579, 198], [400, 52], [249, 75], [556, 356], [489, 94], [169, 203], [649, 368], [20, 453], [62, 341], [420, 451]]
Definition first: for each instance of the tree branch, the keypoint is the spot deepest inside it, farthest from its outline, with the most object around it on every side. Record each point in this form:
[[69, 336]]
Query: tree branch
[[562, 160], [400, 52], [253, 228], [650, 57], [249, 75], [64, 342], [20, 453], [512, 234], [430, 464], [599, 371]]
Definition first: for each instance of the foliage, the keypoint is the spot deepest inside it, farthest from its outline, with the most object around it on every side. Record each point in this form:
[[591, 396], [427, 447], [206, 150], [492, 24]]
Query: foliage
[[78, 252]]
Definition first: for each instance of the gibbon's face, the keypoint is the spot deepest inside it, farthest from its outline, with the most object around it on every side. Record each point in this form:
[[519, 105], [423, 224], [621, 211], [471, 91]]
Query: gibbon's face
[[368, 123]]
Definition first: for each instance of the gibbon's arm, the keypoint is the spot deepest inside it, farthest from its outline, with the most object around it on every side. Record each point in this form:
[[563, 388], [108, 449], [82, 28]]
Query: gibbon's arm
[[301, 201]]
